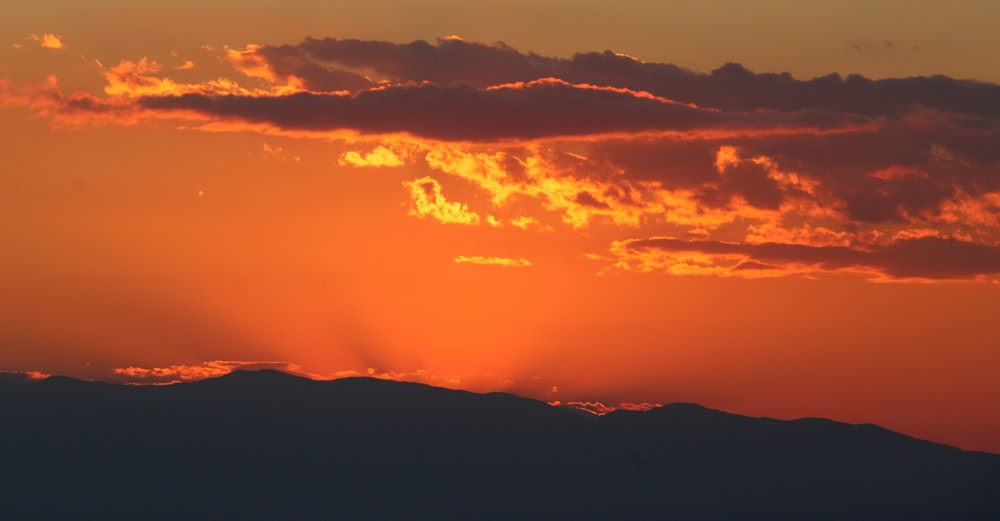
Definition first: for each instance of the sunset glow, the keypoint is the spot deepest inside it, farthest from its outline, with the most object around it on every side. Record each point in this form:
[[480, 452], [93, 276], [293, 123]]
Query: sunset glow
[[414, 199]]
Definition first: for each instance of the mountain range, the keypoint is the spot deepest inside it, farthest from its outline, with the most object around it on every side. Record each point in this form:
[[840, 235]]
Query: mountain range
[[267, 445]]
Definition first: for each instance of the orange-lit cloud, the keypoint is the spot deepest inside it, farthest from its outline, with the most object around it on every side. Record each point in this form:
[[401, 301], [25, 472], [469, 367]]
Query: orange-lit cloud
[[379, 156], [279, 68], [525, 222], [47, 41], [756, 161], [921, 257], [213, 369], [22, 376], [419, 375], [79, 109], [146, 78], [428, 201], [276, 152], [187, 373], [493, 261], [562, 183], [600, 408]]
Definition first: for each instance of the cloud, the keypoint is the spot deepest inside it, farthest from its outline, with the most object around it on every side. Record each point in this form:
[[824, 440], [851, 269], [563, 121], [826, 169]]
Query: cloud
[[418, 375], [580, 190], [179, 373], [730, 87], [186, 373], [493, 261], [909, 257], [540, 109], [47, 40], [428, 201], [277, 153], [525, 222], [283, 65], [602, 139], [596, 408], [588, 87], [380, 156], [22, 376], [600, 408]]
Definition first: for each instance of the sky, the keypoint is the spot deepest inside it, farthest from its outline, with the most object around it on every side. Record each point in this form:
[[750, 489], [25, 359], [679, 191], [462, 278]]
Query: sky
[[773, 208]]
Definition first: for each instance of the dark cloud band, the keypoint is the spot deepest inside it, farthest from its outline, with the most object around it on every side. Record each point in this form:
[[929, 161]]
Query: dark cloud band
[[334, 64], [926, 257], [460, 112]]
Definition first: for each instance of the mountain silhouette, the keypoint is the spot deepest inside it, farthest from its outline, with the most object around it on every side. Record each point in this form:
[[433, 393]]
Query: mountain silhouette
[[267, 445]]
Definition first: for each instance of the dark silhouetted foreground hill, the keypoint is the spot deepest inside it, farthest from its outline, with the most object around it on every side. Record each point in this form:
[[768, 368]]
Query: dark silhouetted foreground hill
[[271, 446]]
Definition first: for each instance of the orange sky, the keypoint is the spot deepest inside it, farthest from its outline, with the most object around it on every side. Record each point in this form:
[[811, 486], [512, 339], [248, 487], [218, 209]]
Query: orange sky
[[537, 216]]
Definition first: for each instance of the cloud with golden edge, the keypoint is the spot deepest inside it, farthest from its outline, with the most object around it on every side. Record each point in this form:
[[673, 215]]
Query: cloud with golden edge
[[547, 108], [429, 202], [277, 153], [145, 79], [187, 373], [418, 375], [178, 373], [525, 222], [47, 41], [22, 376], [600, 408], [449, 60], [910, 256], [380, 156], [251, 64], [493, 261], [560, 187]]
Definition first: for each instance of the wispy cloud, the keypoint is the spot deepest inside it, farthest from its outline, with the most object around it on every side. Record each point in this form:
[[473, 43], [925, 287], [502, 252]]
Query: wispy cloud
[[22, 376], [928, 257], [278, 153], [428, 201], [179, 373], [380, 156], [186, 373], [493, 261], [601, 408], [47, 40]]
